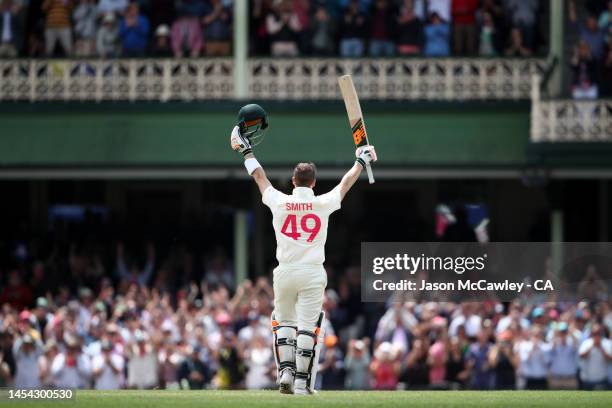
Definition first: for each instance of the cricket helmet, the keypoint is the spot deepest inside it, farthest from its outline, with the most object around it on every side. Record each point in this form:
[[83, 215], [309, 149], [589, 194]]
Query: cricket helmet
[[253, 122]]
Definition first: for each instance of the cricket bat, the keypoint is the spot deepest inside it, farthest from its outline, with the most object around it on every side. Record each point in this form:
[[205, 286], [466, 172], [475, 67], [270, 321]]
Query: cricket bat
[[353, 109]]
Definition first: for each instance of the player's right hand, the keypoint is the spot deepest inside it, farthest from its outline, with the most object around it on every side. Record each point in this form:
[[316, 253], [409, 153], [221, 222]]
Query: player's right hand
[[366, 154], [239, 143]]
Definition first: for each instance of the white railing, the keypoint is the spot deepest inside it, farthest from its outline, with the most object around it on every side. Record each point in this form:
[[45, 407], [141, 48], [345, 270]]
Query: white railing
[[280, 79], [568, 120]]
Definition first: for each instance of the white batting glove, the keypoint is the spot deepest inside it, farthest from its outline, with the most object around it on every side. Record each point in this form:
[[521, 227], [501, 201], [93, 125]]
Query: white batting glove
[[240, 143], [365, 155]]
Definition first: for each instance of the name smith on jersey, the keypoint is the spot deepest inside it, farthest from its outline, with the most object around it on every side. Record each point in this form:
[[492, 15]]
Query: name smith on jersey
[[298, 206]]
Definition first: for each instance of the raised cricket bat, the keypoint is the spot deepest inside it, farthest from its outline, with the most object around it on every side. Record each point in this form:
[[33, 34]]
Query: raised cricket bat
[[353, 109]]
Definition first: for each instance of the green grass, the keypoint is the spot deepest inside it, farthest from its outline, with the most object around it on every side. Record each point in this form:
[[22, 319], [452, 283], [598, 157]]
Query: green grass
[[353, 399]]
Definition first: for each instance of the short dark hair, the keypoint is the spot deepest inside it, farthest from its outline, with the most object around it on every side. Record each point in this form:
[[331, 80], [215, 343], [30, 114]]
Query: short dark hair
[[304, 174]]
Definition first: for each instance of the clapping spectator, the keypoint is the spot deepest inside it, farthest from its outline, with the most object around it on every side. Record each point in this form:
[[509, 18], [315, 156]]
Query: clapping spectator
[[410, 36], [563, 366], [71, 368], [534, 357], [84, 17], [107, 368], [482, 375], [58, 27], [142, 362], [385, 367], [217, 34], [323, 31], [186, 30], [26, 351], [134, 32], [352, 31], [382, 29], [259, 360], [464, 26], [437, 37], [133, 274], [589, 31], [595, 356], [11, 29], [584, 70], [504, 361], [193, 373], [356, 364], [107, 37], [283, 27]]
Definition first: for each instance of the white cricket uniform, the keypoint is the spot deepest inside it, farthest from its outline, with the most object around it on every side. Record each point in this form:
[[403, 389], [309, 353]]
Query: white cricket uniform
[[300, 225]]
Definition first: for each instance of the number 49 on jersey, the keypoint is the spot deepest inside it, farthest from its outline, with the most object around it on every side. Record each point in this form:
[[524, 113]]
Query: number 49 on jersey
[[308, 223]]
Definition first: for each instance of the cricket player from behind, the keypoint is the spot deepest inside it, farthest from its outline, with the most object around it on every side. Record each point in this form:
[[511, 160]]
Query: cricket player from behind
[[300, 225]]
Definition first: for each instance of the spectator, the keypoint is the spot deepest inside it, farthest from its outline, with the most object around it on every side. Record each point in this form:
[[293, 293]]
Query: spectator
[[437, 359], [57, 26], [352, 31], [464, 26], [107, 368], [323, 31], [605, 21], [134, 33], [356, 364], [416, 369], [522, 15], [385, 367], [534, 357], [283, 27], [563, 367], [50, 351], [457, 373], [26, 351], [107, 37], [589, 31], [11, 29], [71, 368], [595, 356], [409, 31], [437, 37], [466, 317], [382, 30], [482, 375], [84, 17], [216, 23], [517, 48], [142, 363], [331, 366], [162, 48], [186, 30], [259, 362], [133, 274], [489, 43], [193, 373], [503, 360], [584, 70]]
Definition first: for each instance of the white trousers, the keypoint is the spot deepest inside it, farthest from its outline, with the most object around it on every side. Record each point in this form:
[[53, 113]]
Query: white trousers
[[298, 295]]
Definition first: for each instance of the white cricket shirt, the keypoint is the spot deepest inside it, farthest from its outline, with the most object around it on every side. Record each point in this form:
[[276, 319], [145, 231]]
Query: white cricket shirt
[[300, 223]]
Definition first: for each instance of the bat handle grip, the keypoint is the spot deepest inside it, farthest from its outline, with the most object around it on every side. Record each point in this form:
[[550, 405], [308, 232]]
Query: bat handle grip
[[370, 174]]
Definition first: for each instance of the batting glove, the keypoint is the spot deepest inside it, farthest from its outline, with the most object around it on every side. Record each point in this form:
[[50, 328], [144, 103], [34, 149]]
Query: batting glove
[[240, 143], [365, 155]]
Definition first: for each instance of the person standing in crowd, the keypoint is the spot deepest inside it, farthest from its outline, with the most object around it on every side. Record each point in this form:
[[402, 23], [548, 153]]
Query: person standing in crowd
[[489, 37], [134, 32], [356, 364], [161, 47], [595, 356], [84, 17], [283, 27], [464, 26], [477, 359], [563, 368], [323, 29], [142, 363], [534, 356], [352, 31], [107, 368], [107, 37], [385, 367], [589, 31], [517, 48], [71, 368], [522, 15], [382, 29], [26, 351], [186, 30], [217, 29], [410, 37], [584, 73], [11, 29], [504, 362], [58, 27]]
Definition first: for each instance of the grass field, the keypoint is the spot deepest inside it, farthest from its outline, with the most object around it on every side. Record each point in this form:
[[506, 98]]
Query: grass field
[[353, 399]]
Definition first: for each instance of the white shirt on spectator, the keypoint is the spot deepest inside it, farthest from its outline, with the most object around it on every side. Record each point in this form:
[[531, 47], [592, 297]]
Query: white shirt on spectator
[[534, 358], [472, 325], [142, 369], [564, 358], [76, 376], [108, 378], [594, 366], [27, 375]]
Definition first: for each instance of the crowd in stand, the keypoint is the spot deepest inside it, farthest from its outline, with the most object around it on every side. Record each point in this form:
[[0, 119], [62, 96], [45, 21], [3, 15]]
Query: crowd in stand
[[76, 319], [349, 28], [591, 62]]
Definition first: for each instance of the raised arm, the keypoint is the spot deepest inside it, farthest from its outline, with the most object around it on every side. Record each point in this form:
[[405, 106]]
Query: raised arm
[[241, 144], [365, 154]]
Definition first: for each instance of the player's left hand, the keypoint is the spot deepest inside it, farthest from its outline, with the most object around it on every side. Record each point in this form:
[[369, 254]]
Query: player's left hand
[[239, 143], [367, 154]]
